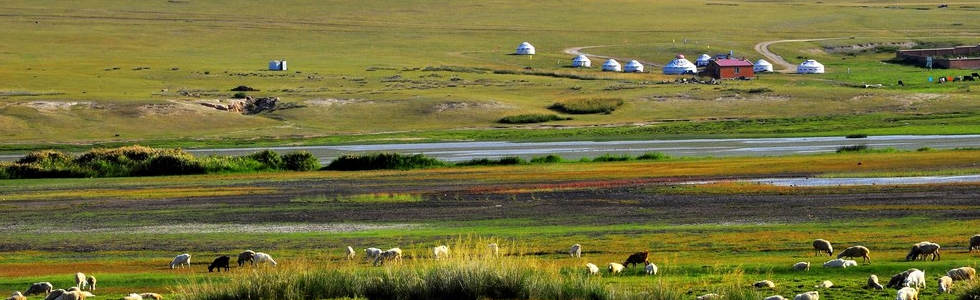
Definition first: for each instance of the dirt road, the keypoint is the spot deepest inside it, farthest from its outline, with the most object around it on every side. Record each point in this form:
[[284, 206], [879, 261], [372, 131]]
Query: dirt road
[[776, 60]]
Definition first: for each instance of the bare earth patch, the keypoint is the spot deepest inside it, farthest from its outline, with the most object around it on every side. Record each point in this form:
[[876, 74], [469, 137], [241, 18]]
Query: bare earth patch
[[226, 228]]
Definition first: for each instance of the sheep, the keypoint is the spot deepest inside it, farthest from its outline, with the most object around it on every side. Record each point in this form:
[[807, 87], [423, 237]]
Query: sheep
[[388, 255], [133, 296], [835, 263], [775, 297], [850, 263], [39, 287], [821, 245], [651, 269], [764, 284], [181, 260], [17, 296], [73, 295], [915, 279], [974, 243], [856, 251], [494, 250], [873, 282], [811, 295], [962, 273], [920, 250], [907, 293], [801, 266], [91, 282], [591, 269], [440, 251], [153, 296], [711, 296], [615, 268], [246, 256], [54, 294], [264, 258], [637, 258], [372, 253], [80, 280], [825, 284], [945, 283], [72, 289], [220, 262], [350, 253], [898, 279], [575, 251]]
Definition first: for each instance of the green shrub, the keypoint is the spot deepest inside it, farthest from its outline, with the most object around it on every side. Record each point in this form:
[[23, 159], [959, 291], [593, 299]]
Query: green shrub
[[856, 136], [610, 157], [46, 157], [550, 158], [170, 164], [490, 162], [588, 106], [269, 158], [300, 161], [531, 118], [653, 156], [383, 161], [852, 148]]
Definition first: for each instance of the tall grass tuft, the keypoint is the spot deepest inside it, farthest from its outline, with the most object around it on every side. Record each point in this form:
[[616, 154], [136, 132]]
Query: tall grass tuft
[[531, 118], [588, 105]]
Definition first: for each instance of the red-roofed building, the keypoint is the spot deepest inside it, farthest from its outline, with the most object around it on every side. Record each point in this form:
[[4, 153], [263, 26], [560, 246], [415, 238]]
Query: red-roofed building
[[730, 68]]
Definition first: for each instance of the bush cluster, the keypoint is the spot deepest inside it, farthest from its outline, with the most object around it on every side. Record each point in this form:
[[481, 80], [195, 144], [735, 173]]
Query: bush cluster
[[588, 105], [532, 118], [383, 161]]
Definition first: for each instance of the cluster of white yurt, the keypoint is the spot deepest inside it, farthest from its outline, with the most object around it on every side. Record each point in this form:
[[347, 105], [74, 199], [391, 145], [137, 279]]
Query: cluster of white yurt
[[810, 67], [525, 49], [680, 65], [612, 65], [582, 61], [633, 67], [762, 66], [702, 60]]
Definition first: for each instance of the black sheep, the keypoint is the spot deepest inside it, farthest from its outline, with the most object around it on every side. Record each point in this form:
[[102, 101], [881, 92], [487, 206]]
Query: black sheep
[[220, 262]]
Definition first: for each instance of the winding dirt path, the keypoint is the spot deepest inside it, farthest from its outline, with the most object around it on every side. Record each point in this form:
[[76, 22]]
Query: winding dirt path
[[776, 60], [578, 51]]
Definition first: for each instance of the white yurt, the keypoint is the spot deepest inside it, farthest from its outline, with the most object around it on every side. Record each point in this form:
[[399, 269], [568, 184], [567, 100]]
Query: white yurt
[[582, 61], [810, 67], [762, 66], [680, 65], [525, 49], [633, 66], [612, 65], [703, 60]]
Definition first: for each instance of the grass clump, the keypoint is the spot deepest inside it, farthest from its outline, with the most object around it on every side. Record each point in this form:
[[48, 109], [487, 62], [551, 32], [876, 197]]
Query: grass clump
[[504, 161], [531, 118], [588, 105], [862, 148], [548, 159], [383, 161]]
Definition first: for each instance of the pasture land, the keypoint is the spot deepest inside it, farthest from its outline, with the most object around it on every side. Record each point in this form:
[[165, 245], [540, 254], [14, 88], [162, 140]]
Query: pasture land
[[705, 237], [85, 72]]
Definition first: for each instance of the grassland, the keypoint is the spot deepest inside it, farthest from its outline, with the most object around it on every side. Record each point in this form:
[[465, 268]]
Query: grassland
[[83, 73], [705, 237]]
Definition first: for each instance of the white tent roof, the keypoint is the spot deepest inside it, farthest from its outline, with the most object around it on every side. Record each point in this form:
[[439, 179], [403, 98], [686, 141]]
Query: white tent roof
[[703, 60], [762, 66], [612, 65], [582, 61], [633, 66], [581, 58], [680, 65], [525, 48], [762, 62], [810, 66]]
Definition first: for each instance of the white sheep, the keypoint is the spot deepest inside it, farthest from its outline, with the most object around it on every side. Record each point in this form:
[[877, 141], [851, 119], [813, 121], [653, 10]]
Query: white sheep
[[133, 296], [873, 282], [181, 260], [615, 268], [916, 279], [651, 269], [91, 282], [974, 243], [811, 295], [962, 273], [350, 253], [775, 297], [945, 283], [821, 245], [494, 250], [592, 269], [372, 253], [711, 296], [440, 251], [801, 266], [264, 258], [80, 280], [825, 284], [575, 251], [73, 295], [764, 284], [850, 263], [54, 294], [835, 263], [153, 296], [39, 287], [907, 293], [17, 296], [388, 255]]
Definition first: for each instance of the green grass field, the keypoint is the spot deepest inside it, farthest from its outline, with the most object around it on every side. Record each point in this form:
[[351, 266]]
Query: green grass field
[[85, 72]]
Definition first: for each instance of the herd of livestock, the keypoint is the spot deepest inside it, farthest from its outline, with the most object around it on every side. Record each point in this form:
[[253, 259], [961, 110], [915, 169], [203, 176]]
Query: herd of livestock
[[907, 282]]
